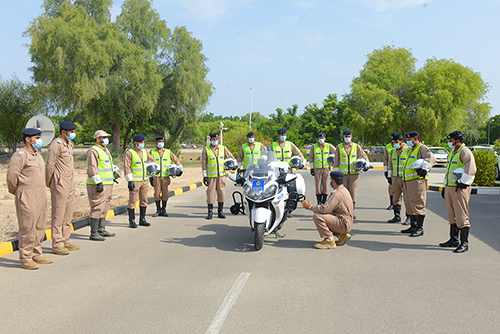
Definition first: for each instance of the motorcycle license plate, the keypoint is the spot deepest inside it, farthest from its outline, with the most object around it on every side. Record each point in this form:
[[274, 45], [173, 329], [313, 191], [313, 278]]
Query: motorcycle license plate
[[257, 185]]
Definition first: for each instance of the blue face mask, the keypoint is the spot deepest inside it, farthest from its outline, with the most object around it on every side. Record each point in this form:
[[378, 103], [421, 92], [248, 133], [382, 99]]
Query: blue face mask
[[105, 141], [140, 146], [321, 141], [450, 144], [409, 143], [397, 146], [282, 138], [72, 136], [160, 145], [251, 140], [38, 144], [214, 143], [347, 140]]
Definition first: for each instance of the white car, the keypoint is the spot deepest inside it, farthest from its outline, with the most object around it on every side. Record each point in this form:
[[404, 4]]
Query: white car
[[441, 155]]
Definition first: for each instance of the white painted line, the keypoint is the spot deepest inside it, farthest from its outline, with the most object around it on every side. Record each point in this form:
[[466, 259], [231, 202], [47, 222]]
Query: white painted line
[[227, 304]]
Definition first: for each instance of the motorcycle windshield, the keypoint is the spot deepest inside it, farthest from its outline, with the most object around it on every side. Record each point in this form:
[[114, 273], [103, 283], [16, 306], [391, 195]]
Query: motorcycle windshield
[[261, 166]]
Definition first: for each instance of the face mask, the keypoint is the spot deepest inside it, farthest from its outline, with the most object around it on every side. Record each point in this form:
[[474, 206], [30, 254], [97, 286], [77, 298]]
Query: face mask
[[331, 184], [140, 146], [282, 138], [105, 141], [38, 144], [321, 141], [347, 140], [72, 136], [214, 143], [451, 145], [160, 145], [251, 140], [397, 146], [409, 143]]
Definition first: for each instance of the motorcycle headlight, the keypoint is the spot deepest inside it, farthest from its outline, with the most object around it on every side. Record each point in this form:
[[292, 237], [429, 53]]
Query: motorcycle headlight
[[269, 192]]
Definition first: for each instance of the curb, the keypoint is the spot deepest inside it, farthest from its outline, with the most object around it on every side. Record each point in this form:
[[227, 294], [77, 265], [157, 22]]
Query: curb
[[12, 245], [474, 191]]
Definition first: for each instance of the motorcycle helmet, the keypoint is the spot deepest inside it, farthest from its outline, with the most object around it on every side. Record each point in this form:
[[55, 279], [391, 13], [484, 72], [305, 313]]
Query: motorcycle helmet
[[152, 168], [296, 162], [231, 164], [175, 170], [116, 172], [458, 172], [421, 164], [359, 164], [331, 159]]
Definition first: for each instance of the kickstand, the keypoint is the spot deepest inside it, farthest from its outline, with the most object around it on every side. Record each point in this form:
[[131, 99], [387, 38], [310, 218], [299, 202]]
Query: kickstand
[[278, 235]]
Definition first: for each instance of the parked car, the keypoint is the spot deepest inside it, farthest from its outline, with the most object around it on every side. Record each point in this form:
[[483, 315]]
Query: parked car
[[441, 155], [377, 150]]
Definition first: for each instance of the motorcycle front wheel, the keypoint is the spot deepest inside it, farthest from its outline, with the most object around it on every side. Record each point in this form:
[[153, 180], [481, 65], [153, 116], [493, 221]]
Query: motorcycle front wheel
[[258, 235]]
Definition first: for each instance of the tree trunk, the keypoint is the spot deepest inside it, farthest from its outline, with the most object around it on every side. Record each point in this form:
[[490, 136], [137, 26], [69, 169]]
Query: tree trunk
[[126, 136], [116, 135]]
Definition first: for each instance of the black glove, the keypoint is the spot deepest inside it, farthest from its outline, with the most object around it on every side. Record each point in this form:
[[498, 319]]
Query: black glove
[[131, 185], [99, 187], [366, 168], [461, 185], [386, 174], [442, 193], [312, 171], [180, 173], [389, 179], [205, 181], [151, 181], [421, 172]]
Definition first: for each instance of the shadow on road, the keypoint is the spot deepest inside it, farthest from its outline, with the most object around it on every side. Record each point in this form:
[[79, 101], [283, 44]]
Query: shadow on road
[[377, 246], [8, 263]]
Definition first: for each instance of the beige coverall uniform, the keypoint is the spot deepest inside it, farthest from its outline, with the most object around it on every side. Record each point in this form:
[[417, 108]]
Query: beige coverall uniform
[[99, 202], [321, 175], [385, 160], [141, 187], [59, 175], [457, 200], [26, 181], [350, 180], [336, 215], [160, 184], [215, 184]]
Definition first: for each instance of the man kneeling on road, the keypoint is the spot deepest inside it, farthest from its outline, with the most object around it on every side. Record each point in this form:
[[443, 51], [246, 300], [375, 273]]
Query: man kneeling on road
[[335, 217]]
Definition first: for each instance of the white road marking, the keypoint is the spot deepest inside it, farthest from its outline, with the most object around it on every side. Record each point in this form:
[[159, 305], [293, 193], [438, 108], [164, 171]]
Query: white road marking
[[227, 304]]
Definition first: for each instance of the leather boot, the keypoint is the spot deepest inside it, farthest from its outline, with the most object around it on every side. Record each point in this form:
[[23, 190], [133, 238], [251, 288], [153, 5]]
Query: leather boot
[[464, 240], [407, 221], [390, 207], [420, 226], [353, 208], [131, 218], [397, 214], [325, 198], [102, 228], [220, 213], [319, 198], [163, 212], [413, 225], [94, 233], [453, 242], [158, 209], [210, 211], [142, 216]]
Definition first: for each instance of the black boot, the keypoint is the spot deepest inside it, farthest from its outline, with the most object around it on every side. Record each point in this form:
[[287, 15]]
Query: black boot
[[221, 208], [413, 225], [325, 198], [464, 240], [390, 207], [102, 229], [407, 221], [158, 209], [453, 242], [94, 230], [131, 218], [353, 208], [319, 198], [164, 209], [420, 226], [142, 216], [397, 214], [210, 211]]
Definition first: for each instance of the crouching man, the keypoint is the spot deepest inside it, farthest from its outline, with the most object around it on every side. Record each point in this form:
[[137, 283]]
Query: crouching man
[[335, 217]]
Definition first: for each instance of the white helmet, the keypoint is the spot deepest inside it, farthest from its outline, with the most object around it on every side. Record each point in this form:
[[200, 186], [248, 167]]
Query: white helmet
[[421, 164], [331, 159], [458, 172], [296, 162], [359, 164], [152, 168], [231, 164], [175, 170]]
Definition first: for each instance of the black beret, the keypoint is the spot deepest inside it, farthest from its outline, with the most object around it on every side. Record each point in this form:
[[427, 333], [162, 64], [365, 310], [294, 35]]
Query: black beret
[[412, 134], [396, 136], [336, 175], [394, 133], [139, 138], [30, 132], [67, 125], [214, 135], [347, 133], [281, 131], [322, 134], [250, 134], [159, 138], [455, 134]]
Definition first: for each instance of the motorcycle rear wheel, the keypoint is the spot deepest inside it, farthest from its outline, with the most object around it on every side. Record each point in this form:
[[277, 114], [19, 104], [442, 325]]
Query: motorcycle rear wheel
[[258, 235]]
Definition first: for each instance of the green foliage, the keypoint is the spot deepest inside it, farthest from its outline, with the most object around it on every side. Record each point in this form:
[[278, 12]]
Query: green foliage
[[496, 146], [486, 163], [234, 139]]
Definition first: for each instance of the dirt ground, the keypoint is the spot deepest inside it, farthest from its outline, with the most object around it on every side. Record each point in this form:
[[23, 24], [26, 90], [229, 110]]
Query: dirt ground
[[8, 218]]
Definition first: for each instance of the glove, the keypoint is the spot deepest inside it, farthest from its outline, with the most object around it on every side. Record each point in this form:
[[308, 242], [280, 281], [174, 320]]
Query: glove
[[461, 185], [151, 181], [312, 171], [366, 168], [180, 173], [386, 174], [389, 179], [442, 193], [238, 171], [99, 187], [131, 185], [421, 172], [205, 181]]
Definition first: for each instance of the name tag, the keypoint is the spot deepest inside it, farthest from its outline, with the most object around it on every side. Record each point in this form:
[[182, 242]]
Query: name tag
[[157, 159], [412, 157], [32, 159], [248, 153], [353, 156], [212, 158], [64, 151], [287, 151], [454, 162], [137, 162], [318, 153], [106, 161], [165, 159], [344, 156]]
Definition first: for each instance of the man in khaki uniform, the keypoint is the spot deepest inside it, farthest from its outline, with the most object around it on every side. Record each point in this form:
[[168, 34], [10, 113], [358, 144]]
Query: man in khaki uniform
[[99, 185], [26, 181], [335, 217], [214, 176], [284, 148], [415, 183], [136, 174], [395, 170], [59, 175], [250, 152], [320, 168], [160, 182], [387, 152], [456, 192]]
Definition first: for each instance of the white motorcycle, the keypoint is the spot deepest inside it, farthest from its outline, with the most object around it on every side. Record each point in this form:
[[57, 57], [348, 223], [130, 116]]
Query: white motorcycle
[[270, 192]]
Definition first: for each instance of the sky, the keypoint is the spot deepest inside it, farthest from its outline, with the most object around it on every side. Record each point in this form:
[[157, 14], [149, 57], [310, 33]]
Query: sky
[[299, 51]]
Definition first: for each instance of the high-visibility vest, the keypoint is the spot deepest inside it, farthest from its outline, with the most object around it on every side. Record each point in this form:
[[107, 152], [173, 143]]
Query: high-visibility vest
[[138, 167], [410, 173], [285, 153], [451, 166], [164, 161], [321, 156], [104, 168], [389, 148], [346, 161], [398, 161], [250, 156], [215, 165]]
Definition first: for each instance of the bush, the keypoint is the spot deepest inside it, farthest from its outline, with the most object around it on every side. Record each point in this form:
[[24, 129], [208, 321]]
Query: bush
[[486, 163]]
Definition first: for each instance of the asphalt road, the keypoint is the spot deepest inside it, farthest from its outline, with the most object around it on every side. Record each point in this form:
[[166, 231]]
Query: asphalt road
[[185, 274]]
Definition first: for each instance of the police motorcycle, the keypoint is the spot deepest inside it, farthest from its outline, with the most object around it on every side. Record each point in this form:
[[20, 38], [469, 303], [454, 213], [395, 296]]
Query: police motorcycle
[[270, 192]]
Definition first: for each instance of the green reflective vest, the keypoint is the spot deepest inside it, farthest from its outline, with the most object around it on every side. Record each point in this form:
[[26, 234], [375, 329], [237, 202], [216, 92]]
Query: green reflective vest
[[398, 161], [389, 148], [249, 156], [164, 161], [346, 161], [321, 156], [104, 168], [215, 164], [410, 173], [139, 167], [285, 153], [451, 166]]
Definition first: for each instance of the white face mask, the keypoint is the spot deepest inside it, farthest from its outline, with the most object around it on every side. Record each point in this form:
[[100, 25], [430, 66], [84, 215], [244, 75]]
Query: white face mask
[[160, 145], [105, 141], [347, 139], [251, 140], [451, 145], [397, 146], [321, 141], [282, 138]]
